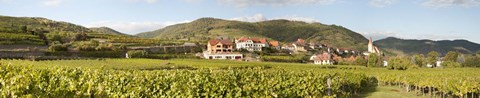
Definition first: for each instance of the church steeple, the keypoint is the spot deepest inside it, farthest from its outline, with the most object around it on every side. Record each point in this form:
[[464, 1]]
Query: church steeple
[[370, 46]]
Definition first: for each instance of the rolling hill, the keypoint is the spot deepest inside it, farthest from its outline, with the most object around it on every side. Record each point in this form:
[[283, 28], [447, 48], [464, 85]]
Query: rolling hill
[[409, 46], [10, 24], [284, 31], [106, 30], [41, 31], [33, 30]]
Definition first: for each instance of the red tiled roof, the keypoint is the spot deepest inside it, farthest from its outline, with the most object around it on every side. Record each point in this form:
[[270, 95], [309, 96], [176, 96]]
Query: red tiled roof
[[274, 43], [324, 56], [216, 41], [301, 41], [255, 40]]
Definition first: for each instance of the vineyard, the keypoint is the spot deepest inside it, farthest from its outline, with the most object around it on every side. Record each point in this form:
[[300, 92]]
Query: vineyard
[[218, 78], [435, 82], [15, 38]]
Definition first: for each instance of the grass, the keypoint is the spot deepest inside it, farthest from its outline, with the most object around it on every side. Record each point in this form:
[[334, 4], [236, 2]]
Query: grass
[[388, 92]]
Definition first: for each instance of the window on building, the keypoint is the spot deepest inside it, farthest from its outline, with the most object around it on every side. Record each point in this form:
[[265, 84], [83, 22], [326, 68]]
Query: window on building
[[238, 57]]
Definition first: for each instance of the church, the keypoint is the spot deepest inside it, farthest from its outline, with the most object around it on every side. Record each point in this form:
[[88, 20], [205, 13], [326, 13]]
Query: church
[[372, 48]]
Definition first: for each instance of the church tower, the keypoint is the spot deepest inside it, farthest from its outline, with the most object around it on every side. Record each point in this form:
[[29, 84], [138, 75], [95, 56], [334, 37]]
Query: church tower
[[370, 46]]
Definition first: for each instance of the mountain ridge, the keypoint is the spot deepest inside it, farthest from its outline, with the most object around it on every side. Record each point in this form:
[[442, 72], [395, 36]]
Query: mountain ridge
[[423, 46], [106, 30], [281, 30]]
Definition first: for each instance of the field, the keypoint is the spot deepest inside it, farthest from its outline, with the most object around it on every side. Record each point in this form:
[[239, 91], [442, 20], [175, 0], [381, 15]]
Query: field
[[224, 78]]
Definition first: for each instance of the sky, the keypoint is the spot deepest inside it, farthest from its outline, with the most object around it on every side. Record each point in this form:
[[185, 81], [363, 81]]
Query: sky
[[407, 19]]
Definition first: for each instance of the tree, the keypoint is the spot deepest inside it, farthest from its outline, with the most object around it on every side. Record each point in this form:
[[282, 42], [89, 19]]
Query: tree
[[451, 56], [80, 37], [419, 60], [432, 57], [56, 46], [24, 29], [400, 63], [56, 37], [361, 61], [373, 60], [472, 61]]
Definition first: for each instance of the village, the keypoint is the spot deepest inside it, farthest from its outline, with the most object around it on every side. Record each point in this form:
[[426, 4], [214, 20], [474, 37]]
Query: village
[[321, 54]]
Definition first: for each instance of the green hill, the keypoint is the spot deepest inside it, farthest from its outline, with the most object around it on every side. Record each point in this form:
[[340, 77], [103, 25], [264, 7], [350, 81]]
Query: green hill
[[35, 30], [10, 24], [282, 30], [106, 30], [407, 46], [42, 31]]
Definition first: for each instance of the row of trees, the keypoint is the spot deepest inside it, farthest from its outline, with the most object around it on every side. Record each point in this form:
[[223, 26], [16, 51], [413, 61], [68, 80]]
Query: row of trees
[[91, 45], [450, 60]]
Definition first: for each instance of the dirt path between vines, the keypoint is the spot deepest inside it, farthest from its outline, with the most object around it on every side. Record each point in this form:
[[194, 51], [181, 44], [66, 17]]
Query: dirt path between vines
[[389, 92]]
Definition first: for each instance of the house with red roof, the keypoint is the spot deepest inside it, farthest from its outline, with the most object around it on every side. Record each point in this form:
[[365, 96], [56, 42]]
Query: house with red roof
[[251, 44], [221, 49], [323, 59], [298, 46], [274, 44]]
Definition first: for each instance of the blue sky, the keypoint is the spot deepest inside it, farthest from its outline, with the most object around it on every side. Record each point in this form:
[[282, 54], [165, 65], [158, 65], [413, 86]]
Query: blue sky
[[409, 19]]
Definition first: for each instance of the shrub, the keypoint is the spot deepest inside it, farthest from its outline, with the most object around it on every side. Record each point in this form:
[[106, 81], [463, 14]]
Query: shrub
[[103, 47], [119, 48], [57, 47], [361, 61], [102, 54], [137, 53], [450, 64]]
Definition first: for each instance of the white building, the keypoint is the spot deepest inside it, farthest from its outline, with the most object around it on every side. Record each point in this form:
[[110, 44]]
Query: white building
[[439, 63], [385, 63], [322, 59], [221, 49], [251, 44], [228, 56]]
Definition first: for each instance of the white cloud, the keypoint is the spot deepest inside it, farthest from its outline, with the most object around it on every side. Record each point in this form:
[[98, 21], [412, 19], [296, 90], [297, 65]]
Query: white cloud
[[133, 27], [192, 1], [298, 18], [261, 17], [381, 3], [52, 2], [254, 18], [246, 3], [148, 1], [449, 3], [376, 35], [435, 36]]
